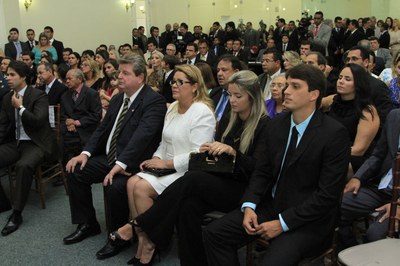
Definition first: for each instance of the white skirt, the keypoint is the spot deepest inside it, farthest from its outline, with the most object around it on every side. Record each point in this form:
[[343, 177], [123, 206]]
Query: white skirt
[[160, 183]]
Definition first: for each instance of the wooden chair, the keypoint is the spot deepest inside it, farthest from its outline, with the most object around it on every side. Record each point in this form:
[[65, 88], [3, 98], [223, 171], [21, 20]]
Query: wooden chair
[[381, 252], [46, 172]]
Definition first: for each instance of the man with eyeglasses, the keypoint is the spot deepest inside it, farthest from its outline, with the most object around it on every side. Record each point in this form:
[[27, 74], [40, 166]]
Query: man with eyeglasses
[[271, 66], [170, 50], [205, 54], [380, 95]]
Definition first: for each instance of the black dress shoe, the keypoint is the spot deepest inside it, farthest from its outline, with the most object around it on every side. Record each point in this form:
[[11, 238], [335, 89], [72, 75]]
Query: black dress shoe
[[82, 231], [14, 221], [111, 249]]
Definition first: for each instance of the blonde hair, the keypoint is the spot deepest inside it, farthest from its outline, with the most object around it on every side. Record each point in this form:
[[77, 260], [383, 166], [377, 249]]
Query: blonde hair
[[193, 74], [94, 67], [292, 57], [246, 81]]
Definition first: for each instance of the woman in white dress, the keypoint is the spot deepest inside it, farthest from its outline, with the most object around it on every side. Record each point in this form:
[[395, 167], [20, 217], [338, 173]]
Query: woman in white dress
[[189, 122]]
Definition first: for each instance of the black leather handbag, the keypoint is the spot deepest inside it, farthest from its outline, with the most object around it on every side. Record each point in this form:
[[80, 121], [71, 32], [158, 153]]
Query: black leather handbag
[[201, 161], [159, 172]]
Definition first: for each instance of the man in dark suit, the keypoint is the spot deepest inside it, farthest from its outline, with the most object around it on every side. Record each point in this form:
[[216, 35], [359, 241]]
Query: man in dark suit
[[28, 58], [31, 42], [166, 35], [279, 30], [136, 40], [170, 61], [371, 186], [271, 65], [57, 44], [285, 44], [191, 53], [128, 135], [206, 55], [353, 37], [26, 139], [155, 37], [217, 32], [239, 52], [366, 27], [14, 48], [336, 42], [294, 194], [227, 65], [380, 94], [293, 34], [80, 110], [384, 39], [217, 48], [53, 88]]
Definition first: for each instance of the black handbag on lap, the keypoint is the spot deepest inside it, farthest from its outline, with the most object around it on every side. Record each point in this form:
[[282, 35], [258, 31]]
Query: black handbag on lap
[[223, 163], [159, 172]]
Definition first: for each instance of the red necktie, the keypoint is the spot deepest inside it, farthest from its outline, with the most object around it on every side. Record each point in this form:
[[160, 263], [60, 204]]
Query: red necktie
[[316, 30]]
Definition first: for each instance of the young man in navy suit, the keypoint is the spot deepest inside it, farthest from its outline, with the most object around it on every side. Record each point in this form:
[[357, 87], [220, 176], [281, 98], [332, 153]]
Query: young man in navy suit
[[294, 194]]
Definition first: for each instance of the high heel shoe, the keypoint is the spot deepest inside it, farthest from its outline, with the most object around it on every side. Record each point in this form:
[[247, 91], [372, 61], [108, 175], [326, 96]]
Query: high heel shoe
[[133, 261], [150, 263]]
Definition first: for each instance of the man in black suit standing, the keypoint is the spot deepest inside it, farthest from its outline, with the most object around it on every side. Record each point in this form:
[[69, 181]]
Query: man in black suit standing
[[14, 48], [80, 110], [336, 42], [128, 135], [26, 139], [353, 36], [57, 44], [53, 88], [227, 65], [136, 40], [294, 194], [384, 39], [31, 42]]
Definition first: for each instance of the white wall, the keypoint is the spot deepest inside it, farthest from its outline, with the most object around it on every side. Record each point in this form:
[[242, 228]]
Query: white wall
[[84, 24]]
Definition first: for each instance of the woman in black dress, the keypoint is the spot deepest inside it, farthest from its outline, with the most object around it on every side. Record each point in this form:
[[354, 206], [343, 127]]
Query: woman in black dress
[[353, 108]]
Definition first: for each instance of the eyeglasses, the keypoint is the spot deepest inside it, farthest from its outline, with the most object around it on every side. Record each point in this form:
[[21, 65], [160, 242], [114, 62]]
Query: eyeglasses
[[352, 59], [178, 82]]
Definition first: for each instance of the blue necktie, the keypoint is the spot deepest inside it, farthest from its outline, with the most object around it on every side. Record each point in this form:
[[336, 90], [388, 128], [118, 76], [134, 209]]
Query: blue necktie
[[221, 104], [19, 49]]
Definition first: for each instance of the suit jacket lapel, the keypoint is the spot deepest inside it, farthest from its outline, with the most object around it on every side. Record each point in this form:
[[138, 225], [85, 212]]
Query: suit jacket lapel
[[308, 137], [138, 100], [81, 95]]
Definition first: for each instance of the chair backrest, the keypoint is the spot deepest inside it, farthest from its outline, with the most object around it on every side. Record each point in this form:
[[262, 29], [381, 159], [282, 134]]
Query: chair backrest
[[395, 197], [54, 120]]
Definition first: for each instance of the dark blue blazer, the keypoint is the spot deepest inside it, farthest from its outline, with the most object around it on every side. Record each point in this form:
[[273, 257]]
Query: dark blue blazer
[[141, 128]]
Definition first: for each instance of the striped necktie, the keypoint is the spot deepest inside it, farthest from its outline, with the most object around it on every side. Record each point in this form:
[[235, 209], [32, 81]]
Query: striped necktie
[[111, 156]]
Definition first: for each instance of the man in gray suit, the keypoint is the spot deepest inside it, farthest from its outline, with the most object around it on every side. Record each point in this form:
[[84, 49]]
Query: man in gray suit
[[371, 185], [380, 52], [320, 32]]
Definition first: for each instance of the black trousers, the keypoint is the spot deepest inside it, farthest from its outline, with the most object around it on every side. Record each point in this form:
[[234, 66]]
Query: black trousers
[[80, 193], [184, 204], [26, 156], [367, 200], [223, 237]]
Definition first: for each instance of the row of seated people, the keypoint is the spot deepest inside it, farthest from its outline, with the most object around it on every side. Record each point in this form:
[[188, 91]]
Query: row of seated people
[[100, 146]]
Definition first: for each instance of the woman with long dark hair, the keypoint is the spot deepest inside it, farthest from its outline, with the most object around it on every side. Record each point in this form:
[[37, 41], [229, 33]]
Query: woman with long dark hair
[[353, 108]]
